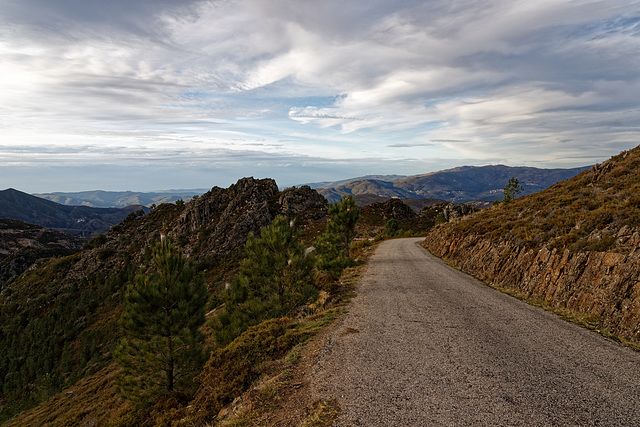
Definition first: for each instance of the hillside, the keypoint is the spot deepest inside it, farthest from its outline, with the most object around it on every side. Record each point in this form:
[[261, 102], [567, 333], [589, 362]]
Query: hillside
[[463, 184], [21, 244], [575, 245], [79, 221], [59, 319], [119, 199]]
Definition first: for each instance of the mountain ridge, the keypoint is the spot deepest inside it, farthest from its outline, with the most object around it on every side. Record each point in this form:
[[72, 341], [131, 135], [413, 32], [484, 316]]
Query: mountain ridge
[[121, 199], [461, 184], [81, 221]]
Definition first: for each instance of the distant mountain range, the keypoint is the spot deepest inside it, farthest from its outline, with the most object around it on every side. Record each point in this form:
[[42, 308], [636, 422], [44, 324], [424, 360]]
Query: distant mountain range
[[79, 221], [120, 199], [462, 184], [329, 184]]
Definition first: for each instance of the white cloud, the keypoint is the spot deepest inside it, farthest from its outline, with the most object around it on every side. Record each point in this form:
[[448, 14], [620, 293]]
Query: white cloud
[[517, 80]]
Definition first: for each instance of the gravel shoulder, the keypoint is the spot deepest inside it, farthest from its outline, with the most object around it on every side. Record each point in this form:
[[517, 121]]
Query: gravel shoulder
[[424, 344]]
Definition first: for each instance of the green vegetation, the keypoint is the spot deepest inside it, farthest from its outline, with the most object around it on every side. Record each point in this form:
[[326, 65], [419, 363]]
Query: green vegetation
[[333, 246], [162, 350], [512, 190], [585, 213], [66, 322], [44, 336], [275, 278], [392, 228], [231, 370]]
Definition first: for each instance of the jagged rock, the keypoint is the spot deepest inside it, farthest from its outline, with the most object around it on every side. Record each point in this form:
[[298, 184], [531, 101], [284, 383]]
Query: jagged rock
[[454, 210], [391, 209], [227, 216], [600, 170], [303, 202]]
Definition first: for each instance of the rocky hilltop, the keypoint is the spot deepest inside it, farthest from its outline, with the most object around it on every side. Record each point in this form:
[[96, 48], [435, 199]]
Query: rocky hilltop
[[575, 245], [59, 319]]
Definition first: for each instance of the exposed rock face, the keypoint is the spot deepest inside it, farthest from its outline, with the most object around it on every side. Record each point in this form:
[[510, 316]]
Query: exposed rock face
[[454, 210], [303, 202], [206, 228], [391, 209], [227, 216], [602, 283], [575, 244]]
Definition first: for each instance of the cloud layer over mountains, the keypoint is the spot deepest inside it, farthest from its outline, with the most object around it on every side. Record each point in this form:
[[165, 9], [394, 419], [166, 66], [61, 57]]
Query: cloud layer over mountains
[[148, 91]]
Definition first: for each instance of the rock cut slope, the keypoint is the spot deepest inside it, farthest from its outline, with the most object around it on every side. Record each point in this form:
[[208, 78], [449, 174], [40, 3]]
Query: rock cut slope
[[575, 245]]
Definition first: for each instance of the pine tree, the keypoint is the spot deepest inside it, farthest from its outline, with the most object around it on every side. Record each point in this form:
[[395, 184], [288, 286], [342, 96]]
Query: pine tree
[[163, 349], [333, 246], [512, 190], [275, 278]]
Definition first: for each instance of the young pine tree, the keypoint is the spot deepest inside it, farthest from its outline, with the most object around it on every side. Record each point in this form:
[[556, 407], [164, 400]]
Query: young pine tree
[[163, 349], [512, 190], [275, 278], [333, 246]]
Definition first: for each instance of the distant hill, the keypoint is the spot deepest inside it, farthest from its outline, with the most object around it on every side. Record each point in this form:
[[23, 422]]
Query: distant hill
[[21, 244], [365, 186], [462, 184], [120, 199], [329, 184], [76, 220]]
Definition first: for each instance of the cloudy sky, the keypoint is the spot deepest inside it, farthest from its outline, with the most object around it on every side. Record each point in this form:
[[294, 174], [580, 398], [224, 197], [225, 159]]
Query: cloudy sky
[[157, 94]]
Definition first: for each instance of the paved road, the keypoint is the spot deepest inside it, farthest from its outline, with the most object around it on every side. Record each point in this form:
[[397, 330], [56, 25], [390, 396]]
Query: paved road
[[424, 344]]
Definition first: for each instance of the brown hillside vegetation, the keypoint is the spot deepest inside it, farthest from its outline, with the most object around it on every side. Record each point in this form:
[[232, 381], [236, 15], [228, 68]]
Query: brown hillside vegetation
[[60, 319], [575, 245]]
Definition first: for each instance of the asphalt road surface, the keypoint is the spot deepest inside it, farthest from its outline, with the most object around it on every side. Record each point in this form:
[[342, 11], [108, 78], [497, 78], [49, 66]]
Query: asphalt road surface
[[425, 345]]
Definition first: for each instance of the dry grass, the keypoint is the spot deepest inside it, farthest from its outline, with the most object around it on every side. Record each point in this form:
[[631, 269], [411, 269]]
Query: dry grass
[[323, 414], [91, 401], [584, 213]]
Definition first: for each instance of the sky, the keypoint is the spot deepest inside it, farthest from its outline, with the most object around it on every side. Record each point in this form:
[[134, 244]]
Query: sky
[[156, 94]]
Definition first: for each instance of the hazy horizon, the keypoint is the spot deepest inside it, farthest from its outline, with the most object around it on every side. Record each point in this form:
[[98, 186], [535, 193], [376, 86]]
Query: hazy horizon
[[159, 94]]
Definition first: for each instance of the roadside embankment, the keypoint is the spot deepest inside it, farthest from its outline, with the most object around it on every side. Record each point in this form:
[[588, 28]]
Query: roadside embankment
[[604, 284]]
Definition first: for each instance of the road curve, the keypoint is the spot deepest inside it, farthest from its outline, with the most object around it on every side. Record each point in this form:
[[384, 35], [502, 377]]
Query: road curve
[[424, 344]]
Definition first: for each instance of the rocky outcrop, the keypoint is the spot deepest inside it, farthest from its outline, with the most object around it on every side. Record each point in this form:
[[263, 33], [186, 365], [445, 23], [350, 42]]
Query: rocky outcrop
[[391, 209], [605, 284], [225, 217], [454, 210], [303, 203]]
